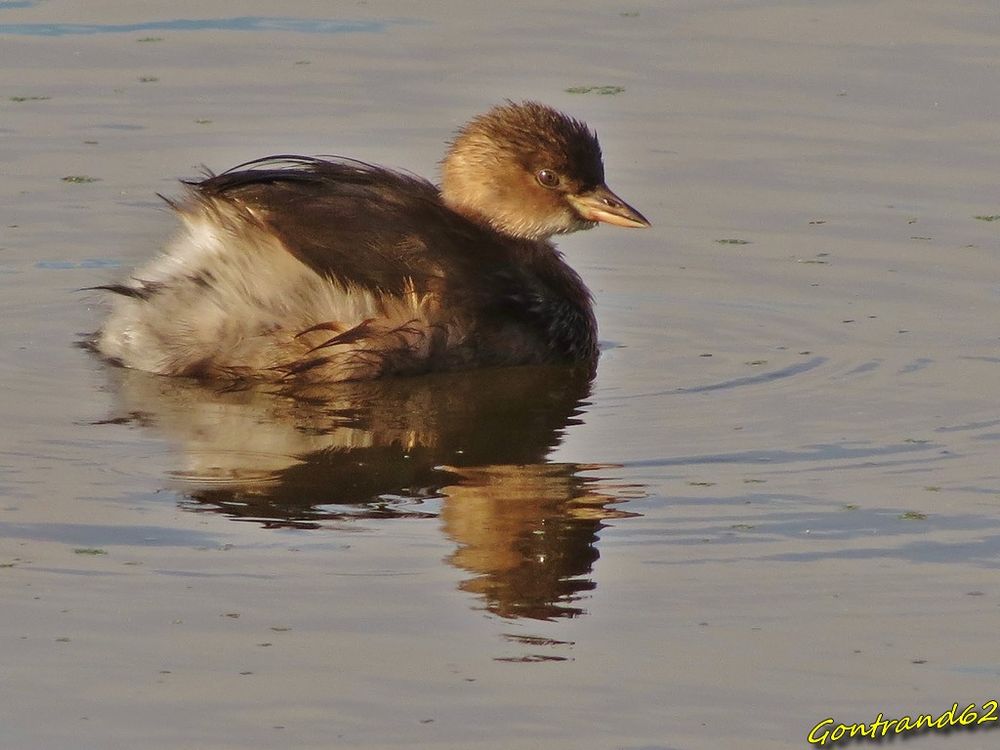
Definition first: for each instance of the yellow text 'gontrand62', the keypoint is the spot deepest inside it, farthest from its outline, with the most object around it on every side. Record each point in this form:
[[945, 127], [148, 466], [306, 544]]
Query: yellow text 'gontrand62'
[[829, 731]]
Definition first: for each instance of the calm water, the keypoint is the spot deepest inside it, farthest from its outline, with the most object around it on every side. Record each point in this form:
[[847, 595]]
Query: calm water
[[778, 501]]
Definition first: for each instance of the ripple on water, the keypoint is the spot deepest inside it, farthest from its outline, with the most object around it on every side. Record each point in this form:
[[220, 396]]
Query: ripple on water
[[236, 23]]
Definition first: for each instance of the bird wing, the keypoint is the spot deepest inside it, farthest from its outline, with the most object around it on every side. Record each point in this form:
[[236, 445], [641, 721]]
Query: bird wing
[[357, 223]]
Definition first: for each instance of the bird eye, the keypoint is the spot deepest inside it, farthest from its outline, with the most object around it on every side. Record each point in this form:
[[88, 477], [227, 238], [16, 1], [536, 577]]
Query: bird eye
[[547, 178]]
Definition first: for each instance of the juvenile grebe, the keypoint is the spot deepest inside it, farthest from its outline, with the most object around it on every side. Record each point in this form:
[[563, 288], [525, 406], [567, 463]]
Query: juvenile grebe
[[305, 270]]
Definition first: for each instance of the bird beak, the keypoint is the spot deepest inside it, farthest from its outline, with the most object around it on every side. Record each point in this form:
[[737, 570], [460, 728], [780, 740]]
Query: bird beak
[[600, 204]]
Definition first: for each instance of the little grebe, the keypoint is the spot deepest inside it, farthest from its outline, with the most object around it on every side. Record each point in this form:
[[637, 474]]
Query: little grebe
[[305, 270]]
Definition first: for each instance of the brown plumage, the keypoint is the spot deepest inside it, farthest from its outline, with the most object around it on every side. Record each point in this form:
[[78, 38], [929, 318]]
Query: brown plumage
[[303, 270]]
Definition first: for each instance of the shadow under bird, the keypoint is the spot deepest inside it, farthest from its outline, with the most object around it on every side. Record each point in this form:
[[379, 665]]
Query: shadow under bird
[[302, 270]]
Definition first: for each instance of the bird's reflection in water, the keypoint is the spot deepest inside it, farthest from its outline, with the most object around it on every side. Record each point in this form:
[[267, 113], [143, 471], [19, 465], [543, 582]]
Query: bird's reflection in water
[[478, 441]]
